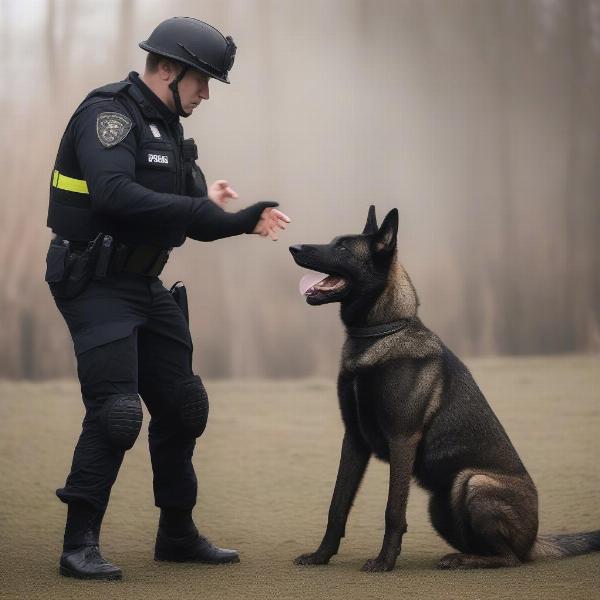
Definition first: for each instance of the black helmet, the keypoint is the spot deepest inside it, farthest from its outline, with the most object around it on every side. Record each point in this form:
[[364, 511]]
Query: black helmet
[[195, 44]]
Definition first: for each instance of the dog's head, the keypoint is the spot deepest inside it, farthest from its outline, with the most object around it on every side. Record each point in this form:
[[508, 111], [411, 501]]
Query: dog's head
[[350, 267]]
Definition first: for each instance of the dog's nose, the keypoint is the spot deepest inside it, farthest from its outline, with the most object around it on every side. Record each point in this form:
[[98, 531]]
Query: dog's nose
[[295, 248]]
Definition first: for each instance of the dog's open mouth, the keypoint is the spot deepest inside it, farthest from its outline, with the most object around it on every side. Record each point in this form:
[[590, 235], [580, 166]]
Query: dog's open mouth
[[321, 283]]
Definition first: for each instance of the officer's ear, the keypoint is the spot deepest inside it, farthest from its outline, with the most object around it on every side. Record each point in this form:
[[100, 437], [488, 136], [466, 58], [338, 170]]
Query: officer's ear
[[167, 69]]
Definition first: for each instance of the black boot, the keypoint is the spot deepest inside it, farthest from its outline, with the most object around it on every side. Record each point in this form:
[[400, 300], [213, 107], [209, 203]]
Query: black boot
[[81, 556], [178, 540]]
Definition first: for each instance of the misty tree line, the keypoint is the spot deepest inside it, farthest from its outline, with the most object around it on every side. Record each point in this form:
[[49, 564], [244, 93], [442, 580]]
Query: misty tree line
[[478, 119]]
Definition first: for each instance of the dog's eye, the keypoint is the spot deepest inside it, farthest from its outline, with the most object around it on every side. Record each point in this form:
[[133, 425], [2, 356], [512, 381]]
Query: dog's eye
[[343, 248]]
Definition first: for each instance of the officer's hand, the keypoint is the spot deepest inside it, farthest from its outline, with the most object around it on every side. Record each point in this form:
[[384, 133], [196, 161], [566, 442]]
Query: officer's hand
[[220, 192], [271, 222]]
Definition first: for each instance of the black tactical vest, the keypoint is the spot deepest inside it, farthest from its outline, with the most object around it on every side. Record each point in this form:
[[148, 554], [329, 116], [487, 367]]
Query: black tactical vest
[[165, 162]]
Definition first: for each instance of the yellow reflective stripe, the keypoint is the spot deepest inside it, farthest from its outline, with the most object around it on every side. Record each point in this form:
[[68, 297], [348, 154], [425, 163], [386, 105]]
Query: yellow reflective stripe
[[62, 182]]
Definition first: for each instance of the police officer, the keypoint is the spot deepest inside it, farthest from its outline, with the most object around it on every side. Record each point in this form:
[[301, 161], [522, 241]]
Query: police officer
[[124, 191]]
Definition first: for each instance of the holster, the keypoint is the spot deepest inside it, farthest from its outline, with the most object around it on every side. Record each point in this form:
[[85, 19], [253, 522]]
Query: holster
[[179, 294]]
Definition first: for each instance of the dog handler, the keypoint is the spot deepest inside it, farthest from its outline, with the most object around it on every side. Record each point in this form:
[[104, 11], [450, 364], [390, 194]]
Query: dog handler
[[125, 190]]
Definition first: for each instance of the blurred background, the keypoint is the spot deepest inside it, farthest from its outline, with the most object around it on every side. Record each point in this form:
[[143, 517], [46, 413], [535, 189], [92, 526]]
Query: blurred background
[[478, 119]]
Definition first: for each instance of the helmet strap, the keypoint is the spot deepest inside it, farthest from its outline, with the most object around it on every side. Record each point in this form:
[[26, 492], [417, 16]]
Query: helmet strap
[[174, 87]]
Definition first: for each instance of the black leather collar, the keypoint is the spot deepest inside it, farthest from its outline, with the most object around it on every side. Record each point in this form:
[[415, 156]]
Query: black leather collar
[[377, 330]]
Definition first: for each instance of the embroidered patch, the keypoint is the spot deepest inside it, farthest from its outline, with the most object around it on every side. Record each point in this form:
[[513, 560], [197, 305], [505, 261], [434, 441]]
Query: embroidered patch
[[112, 128], [154, 130], [156, 157]]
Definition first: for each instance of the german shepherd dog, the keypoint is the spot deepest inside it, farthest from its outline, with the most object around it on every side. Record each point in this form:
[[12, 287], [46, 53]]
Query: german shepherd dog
[[407, 399]]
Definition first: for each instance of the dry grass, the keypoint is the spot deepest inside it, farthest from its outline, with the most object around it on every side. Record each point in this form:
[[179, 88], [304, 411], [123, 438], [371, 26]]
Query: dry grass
[[266, 467]]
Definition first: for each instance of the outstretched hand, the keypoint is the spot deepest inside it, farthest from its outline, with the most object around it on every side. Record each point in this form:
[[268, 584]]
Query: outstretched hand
[[271, 222], [220, 192]]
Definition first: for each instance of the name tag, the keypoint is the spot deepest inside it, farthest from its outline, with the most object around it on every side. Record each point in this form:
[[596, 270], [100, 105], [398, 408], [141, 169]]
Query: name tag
[[158, 158]]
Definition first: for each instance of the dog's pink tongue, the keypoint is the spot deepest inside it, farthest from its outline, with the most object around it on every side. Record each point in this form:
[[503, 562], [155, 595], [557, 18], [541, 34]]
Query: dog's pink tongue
[[310, 279]]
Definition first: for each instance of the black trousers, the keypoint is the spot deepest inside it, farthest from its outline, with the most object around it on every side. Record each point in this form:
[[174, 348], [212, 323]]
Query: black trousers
[[130, 337]]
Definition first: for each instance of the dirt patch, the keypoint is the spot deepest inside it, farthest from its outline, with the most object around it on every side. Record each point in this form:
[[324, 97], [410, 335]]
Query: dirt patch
[[266, 467]]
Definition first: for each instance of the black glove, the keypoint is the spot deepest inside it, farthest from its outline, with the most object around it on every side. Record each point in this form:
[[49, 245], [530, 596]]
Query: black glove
[[210, 222]]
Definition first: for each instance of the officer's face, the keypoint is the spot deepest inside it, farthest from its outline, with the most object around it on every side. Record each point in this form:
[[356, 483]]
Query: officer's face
[[193, 88]]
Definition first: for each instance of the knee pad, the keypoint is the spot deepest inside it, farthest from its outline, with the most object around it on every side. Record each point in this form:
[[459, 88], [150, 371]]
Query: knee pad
[[191, 402], [122, 419]]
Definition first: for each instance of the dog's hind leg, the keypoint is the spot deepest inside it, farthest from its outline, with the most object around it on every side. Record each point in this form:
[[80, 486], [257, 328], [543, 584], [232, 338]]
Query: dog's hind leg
[[476, 561], [494, 541], [353, 462], [498, 518], [444, 521]]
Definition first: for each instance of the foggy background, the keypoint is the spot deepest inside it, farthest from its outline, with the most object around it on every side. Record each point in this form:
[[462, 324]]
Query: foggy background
[[478, 119]]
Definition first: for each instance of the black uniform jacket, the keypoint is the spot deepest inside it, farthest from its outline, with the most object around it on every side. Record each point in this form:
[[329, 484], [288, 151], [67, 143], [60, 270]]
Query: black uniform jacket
[[123, 168]]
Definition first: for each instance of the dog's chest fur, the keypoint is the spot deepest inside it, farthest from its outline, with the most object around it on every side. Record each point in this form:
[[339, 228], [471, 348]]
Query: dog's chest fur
[[385, 405], [370, 409]]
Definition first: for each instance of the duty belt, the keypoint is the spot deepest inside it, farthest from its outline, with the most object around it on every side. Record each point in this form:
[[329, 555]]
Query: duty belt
[[115, 257], [143, 260]]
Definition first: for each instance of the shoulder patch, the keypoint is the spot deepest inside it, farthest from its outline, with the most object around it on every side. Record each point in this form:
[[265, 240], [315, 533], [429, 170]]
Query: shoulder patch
[[112, 128]]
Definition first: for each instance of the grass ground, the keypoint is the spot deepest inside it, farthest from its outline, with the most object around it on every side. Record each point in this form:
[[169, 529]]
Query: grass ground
[[266, 467]]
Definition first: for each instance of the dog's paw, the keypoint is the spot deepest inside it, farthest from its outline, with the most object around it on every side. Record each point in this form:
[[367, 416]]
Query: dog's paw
[[456, 560], [377, 565], [312, 558]]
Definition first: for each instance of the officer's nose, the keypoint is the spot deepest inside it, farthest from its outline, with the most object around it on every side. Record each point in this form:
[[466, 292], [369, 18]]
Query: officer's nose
[[205, 91], [295, 249]]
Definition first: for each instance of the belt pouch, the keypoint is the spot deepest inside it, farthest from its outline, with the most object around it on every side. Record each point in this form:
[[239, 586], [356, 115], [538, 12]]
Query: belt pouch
[[56, 260], [68, 272]]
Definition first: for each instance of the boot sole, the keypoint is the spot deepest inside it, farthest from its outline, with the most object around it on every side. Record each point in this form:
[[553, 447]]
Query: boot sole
[[231, 561], [66, 572]]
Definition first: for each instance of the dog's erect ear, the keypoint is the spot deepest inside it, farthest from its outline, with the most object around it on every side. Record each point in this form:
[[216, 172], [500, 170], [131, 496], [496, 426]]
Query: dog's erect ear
[[371, 224], [385, 238]]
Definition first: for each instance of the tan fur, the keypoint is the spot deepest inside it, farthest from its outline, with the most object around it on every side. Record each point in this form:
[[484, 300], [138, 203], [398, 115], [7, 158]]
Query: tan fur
[[545, 549], [470, 482], [435, 398], [397, 301], [481, 480], [487, 488], [435, 401], [458, 492], [408, 343]]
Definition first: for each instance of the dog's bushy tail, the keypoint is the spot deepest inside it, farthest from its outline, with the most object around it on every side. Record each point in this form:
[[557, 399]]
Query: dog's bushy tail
[[561, 545]]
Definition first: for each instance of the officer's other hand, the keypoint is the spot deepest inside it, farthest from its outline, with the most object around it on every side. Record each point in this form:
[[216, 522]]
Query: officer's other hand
[[220, 192], [271, 222]]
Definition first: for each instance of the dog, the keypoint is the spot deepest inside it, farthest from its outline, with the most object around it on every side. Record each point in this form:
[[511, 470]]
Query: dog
[[408, 400]]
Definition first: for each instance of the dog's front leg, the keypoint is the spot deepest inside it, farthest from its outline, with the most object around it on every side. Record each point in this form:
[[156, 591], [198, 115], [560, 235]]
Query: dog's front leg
[[353, 463], [402, 457]]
